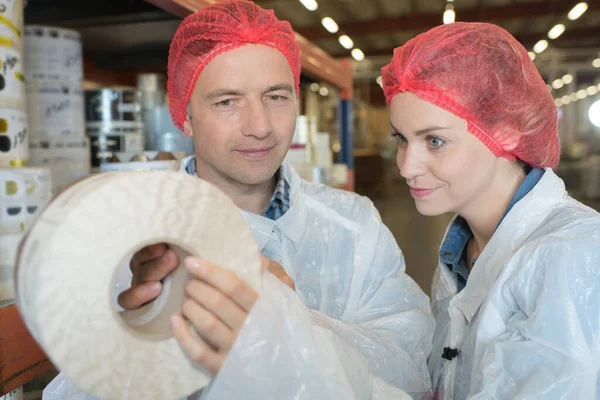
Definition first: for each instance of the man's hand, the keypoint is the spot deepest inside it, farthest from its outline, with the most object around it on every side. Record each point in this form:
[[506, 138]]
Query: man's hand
[[217, 306], [276, 269], [149, 266]]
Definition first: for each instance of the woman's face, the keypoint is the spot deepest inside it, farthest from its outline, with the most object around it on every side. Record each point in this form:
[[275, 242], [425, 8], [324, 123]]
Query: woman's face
[[447, 168]]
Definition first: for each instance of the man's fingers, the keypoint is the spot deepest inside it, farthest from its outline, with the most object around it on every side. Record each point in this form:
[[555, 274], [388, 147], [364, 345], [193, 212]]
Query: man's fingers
[[225, 281], [139, 295], [194, 347], [211, 328], [148, 253], [158, 269], [218, 303]]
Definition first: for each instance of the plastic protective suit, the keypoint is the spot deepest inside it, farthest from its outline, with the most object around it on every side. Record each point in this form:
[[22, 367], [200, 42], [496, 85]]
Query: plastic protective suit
[[527, 325], [357, 326]]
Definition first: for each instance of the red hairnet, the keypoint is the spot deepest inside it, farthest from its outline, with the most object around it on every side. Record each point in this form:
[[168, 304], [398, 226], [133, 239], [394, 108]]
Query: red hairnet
[[215, 29], [482, 74]]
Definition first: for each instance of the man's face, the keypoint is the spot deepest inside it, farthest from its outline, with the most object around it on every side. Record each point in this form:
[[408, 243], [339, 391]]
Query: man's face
[[243, 115]]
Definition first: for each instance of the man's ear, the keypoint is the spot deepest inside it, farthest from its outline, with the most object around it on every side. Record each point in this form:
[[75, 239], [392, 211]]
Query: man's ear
[[187, 127]]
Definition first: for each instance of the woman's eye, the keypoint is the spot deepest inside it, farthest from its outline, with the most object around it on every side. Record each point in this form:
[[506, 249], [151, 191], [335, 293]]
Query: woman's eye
[[436, 142], [400, 137]]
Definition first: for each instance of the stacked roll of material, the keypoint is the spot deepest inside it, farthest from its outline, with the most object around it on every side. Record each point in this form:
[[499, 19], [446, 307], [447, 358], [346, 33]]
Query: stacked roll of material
[[160, 132], [55, 109], [13, 118], [113, 123], [24, 193]]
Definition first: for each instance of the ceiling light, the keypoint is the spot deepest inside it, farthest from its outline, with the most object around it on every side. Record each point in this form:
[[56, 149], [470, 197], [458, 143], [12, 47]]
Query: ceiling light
[[379, 80], [577, 11], [558, 83], [592, 90], [311, 5], [565, 99], [581, 94], [556, 31], [540, 46], [531, 55], [323, 91], [596, 63], [574, 97], [449, 15], [314, 87], [346, 42], [358, 54], [594, 114], [558, 102], [329, 24], [568, 78]]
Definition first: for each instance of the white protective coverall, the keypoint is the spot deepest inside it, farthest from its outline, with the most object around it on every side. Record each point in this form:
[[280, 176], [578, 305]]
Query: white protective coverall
[[527, 325], [357, 326]]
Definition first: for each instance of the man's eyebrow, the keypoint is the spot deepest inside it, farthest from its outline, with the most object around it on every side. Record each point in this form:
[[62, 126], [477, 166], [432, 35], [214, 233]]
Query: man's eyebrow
[[281, 86], [223, 92]]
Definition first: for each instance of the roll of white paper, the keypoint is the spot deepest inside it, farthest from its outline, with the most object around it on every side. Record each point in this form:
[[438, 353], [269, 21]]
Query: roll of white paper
[[55, 110], [24, 192], [14, 137], [68, 160], [12, 81], [53, 54], [11, 20], [68, 262]]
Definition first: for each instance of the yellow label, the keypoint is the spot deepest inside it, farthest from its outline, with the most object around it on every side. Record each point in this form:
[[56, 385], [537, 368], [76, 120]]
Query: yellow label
[[11, 188], [17, 163], [30, 185], [3, 125], [10, 25], [20, 76], [6, 42]]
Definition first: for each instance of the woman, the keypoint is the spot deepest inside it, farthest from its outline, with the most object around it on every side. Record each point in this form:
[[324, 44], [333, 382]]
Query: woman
[[516, 294]]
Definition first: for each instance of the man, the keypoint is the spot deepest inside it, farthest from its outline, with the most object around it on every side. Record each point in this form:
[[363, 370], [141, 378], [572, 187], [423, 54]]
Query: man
[[357, 326]]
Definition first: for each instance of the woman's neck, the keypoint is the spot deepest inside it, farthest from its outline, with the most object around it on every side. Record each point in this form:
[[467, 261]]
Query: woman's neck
[[484, 213]]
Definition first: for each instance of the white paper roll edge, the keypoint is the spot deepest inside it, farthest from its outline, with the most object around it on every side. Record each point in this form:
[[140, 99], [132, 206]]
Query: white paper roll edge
[[68, 260]]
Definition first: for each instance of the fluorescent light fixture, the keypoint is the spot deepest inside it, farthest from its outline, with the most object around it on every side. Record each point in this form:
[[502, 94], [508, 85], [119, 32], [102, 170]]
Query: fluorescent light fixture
[[358, 54], [311, 5], [346, 42], [558, 83], [594, 113], [330, 25], [577, 11], [556, 31], [596, 63], [568, 78], [449, 15], [540, 46]]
